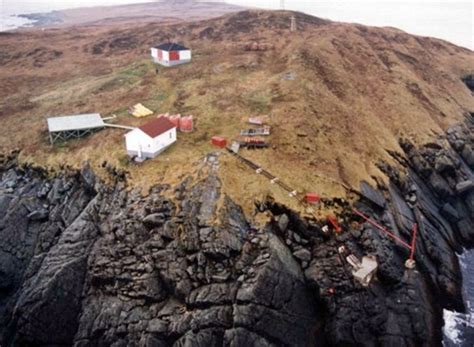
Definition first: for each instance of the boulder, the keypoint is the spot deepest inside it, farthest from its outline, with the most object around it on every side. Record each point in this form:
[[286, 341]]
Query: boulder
[[88, 178], [444, 165], [372, 195], [154, 220], [468, 155], [212, 294], [440, 185], [283, 222], [38, 215], [449, 212], [157, 326], [464, 186], [303, 254], [239, 336]]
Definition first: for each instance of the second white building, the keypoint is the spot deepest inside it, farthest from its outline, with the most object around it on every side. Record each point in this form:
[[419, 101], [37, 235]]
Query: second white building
[[170, 54]]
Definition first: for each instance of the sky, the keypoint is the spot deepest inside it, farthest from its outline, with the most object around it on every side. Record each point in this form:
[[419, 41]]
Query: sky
[[451, 20]]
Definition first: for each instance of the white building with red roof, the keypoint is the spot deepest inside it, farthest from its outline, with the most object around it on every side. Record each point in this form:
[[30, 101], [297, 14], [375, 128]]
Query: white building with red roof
[[150, 139]]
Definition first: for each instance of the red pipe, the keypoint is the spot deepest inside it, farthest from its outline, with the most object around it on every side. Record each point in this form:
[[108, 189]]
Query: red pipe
[[331, 219], [413, 241], [378, 226]]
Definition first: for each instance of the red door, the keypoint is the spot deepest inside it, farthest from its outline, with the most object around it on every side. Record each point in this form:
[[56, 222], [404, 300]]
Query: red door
[[174, 55]]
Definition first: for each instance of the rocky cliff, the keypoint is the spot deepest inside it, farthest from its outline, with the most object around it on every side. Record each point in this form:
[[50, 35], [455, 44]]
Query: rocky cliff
[[88, 264]]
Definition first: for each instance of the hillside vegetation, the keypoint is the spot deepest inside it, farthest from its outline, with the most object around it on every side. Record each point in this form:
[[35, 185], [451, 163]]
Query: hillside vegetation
[[356, 90]]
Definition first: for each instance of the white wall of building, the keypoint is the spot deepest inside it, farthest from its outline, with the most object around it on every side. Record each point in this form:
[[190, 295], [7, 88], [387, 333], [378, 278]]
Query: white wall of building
[[138, 141], [166, 55], [185, 55]]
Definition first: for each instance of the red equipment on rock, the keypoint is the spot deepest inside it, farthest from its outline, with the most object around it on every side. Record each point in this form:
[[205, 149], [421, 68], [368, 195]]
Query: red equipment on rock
[[333, 221]]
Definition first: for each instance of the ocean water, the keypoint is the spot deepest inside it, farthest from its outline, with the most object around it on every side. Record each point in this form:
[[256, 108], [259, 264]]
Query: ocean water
[[459, 327], [10, 9]]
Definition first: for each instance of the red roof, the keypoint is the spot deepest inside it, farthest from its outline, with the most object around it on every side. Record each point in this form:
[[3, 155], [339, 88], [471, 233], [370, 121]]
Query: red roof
[[157, 127]]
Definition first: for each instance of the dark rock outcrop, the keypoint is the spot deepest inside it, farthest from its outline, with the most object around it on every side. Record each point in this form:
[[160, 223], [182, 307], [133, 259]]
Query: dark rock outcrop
[[105, 267], [86, 264]]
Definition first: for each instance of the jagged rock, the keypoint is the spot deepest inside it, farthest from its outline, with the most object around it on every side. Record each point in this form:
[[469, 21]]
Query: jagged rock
[[88, 177], [153, 341], [468, 155], [43, 192], [407, 146], [450, 212], [421, 165], [277, 289], [469, 201], [208, 201], [444, 165], [157, 326], [440, 185], [236, 217], [243, 337], [303, 254], [168, 230], [464, 186], [110, 267], [61, 295], [154, 220], [372, 195], [283, 222], [38, 215], [202, 338], [222, 245], [466, 231], [212, 294]]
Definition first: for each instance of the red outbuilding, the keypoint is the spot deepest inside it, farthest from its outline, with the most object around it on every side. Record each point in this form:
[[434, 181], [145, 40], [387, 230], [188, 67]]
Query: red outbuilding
[[312, 198], [219, 141]]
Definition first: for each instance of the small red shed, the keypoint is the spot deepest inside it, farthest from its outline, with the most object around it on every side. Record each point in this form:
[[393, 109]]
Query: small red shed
[[312, 198], [219, 141]]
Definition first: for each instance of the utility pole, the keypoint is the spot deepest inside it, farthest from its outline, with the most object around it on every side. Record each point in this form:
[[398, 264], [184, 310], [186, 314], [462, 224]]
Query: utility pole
[[293, 23]]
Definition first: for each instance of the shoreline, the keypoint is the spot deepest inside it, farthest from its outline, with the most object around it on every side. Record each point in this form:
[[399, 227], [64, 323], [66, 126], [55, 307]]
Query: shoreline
[[115, 14], [41, 19]]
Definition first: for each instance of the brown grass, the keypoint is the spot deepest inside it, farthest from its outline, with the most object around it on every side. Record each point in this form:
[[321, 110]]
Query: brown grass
[[355, 93]]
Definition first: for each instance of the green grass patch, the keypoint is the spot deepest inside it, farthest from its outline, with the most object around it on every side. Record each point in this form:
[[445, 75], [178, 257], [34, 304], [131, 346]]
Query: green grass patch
[[136, 70], [259, 102]]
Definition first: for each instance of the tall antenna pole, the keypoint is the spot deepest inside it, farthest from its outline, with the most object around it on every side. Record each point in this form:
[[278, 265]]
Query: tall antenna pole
[[293, 23], [282, 4]]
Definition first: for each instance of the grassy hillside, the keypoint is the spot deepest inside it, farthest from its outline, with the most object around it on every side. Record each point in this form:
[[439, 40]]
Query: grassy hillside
[[355, 91]]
